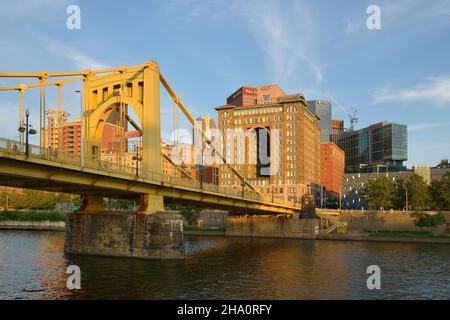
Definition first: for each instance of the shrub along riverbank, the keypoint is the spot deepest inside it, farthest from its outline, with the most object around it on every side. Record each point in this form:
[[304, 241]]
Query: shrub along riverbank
[[31, 216]]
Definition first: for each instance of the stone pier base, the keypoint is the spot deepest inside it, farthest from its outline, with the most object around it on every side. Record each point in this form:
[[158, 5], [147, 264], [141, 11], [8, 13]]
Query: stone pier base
[[125, 234]]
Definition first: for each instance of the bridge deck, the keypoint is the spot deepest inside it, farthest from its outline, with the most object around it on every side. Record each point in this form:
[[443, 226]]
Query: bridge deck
[[50, 170]]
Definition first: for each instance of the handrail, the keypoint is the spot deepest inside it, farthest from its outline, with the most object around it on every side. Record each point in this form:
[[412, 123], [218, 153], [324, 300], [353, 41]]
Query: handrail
[[16, 148]]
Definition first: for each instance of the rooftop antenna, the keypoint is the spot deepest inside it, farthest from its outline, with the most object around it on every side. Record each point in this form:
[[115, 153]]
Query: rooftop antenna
[[353, 118]]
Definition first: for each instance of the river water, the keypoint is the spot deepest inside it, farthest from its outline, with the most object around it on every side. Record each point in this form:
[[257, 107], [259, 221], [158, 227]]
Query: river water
[[33, 266]]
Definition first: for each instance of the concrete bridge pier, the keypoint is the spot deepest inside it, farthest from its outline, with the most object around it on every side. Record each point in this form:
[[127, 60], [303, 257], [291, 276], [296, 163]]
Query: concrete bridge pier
[[143, 234]]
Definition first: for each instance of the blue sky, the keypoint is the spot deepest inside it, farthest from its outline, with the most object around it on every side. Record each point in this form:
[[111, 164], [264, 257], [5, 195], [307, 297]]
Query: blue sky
[[207, 49]]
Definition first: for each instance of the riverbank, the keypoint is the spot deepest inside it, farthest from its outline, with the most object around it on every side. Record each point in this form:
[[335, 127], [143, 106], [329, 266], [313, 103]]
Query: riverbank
[[60, 227], [32, 220], [33, 225], [378, 238], [391, 236], [53, 221]]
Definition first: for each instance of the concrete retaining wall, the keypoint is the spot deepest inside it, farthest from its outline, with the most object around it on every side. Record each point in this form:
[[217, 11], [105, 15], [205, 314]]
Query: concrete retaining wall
[[213, 219], [392, 221], [125, 234], [275, 227], [32, 225]]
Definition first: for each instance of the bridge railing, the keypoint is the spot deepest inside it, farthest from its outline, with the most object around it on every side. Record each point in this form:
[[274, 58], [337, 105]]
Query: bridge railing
[[15, 148]]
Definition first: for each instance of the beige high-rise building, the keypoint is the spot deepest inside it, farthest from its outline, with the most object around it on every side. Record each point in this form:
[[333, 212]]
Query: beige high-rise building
[[207, 124], [55, 119], [294, 168]]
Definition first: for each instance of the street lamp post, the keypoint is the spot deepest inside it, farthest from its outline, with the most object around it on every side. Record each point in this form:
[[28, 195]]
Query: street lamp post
[[137, 158], [201, 170], [27, 115], [28, 129]]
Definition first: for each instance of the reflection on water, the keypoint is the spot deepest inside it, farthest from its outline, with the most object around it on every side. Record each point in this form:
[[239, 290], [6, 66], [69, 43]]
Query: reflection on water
[[32, 266]]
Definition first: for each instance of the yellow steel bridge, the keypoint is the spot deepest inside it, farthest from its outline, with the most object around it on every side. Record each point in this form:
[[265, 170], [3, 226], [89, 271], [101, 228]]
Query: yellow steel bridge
[[104, 91]]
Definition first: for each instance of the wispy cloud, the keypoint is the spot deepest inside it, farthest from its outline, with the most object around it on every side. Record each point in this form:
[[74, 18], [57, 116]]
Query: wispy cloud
[[287, 33], [424, 126], [79, 59], [436, 90]]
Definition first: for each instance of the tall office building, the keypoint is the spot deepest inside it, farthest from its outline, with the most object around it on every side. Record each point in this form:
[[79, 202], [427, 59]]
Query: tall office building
[[207, 124], [65, 135], [55, 119], [323, 110], [337, 129], [378, 148], [70, 137], [200, 169], [294, 165], [332, 161]]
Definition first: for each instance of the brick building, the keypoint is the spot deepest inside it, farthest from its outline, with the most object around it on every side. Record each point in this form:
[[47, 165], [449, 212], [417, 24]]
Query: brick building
[[296, 148], [65, 135], [247, 96], [332, 163]]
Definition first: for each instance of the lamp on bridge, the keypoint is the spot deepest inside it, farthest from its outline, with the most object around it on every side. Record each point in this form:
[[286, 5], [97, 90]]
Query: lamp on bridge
[[137, 158], [28, 129]]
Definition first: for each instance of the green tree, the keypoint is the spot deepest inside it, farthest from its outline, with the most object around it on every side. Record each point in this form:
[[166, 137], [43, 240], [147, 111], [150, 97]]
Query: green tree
[[418, 194], [379, 193], [400, 194], [191, 215], [417, 191], [119, 203], [439, 191], [34, 199]]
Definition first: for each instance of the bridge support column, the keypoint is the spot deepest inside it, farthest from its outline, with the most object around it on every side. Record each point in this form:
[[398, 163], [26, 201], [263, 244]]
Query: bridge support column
[[91, 203], [125, 234], [151, 203]]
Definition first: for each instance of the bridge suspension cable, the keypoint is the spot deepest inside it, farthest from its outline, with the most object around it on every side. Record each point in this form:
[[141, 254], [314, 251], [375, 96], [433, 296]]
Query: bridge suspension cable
[[191, 119]]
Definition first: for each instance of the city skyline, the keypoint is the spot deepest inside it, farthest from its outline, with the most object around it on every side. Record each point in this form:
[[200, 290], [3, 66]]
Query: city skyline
[[298, 45], [222, 156]]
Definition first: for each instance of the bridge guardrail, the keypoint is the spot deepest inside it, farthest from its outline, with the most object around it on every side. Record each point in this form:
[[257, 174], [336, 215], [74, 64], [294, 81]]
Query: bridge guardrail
[[16, 148]]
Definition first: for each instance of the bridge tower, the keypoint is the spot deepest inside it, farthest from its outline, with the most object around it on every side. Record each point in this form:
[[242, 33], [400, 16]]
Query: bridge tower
[[140, 90]]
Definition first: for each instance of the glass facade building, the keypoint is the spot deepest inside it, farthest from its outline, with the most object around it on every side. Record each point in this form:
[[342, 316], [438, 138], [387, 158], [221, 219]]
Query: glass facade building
[[323, 110], [382, 147]]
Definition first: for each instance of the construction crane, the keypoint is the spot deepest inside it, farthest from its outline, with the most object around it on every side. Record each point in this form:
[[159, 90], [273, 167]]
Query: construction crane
[[353, 118]]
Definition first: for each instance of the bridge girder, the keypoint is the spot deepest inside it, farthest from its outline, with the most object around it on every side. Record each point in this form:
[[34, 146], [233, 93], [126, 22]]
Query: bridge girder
[[46, 175]]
